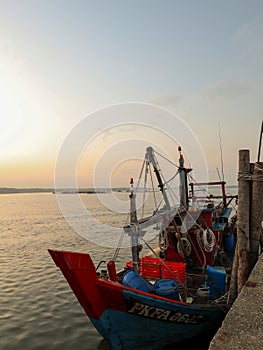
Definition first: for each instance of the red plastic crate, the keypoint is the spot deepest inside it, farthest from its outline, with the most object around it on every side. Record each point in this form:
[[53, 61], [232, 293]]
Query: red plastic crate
[[158, 268], [174, 270], [150, 267]]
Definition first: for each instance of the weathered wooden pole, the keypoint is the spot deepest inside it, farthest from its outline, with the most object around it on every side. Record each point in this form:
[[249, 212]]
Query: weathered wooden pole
[[256, 216], [240, 265], [243, 215], [232, 294]]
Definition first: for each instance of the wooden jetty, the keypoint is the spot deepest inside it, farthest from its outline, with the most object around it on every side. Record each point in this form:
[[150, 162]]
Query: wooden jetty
[[249, 222], [243, 326]]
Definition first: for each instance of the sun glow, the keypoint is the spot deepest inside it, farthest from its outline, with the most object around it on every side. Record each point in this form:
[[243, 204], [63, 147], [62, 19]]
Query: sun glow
[[12, 109], [26, 159], [15, 107]]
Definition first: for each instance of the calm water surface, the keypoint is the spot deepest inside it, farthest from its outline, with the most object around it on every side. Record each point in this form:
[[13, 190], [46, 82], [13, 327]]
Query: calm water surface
[[37, 307]]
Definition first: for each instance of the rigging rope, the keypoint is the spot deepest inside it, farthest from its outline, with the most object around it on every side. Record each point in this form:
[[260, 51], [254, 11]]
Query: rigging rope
[[164, 264], [117, 250], [186, 247], [116, 253], [144, 191], [140, 176], [147, 169], [201, 188], [168, 160], [163, 240], [206, 239], [154, 196], [249, 177]]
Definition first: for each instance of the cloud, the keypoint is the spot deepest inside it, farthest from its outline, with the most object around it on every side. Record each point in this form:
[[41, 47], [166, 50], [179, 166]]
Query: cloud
[[250, 36], [133, 67], [10, 60], [227, 90], [219, 92], [173, 102]]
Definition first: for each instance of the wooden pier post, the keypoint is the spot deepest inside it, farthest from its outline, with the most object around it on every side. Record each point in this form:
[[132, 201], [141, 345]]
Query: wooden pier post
[[256, 213], [243, 215], [240, 268], [232, 294]]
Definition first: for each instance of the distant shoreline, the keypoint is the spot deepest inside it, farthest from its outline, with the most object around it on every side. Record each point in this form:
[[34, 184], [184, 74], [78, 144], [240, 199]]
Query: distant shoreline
[[13, 190], [10, 190]]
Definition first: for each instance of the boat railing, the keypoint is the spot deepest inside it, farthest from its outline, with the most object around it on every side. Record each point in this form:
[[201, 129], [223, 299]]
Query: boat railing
[[201, 186]]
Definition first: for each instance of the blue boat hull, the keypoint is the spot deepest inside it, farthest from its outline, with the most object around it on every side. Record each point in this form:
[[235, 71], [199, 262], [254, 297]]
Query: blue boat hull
[[151, 324], [131, 319]]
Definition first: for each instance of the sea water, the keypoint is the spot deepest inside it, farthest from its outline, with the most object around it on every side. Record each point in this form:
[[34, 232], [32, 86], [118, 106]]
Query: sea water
[[38, 310]]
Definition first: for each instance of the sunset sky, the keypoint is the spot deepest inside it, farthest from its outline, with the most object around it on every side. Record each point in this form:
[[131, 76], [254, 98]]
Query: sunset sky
[[61, 61]]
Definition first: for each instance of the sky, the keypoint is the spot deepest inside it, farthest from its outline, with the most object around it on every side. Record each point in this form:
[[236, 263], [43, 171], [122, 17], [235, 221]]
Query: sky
[[61, 61]]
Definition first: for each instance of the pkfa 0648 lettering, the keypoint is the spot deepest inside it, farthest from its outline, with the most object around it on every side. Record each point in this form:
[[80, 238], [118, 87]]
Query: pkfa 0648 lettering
[[162, 314]]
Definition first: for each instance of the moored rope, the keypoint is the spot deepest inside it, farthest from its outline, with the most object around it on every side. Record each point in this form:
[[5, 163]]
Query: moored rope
[[164, 264], [250, 177], [184, 249], [206, 239], [163, 240]]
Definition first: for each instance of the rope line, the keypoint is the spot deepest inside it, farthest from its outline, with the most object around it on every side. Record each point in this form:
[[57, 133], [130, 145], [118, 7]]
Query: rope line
[[164, 264], [250, 177]]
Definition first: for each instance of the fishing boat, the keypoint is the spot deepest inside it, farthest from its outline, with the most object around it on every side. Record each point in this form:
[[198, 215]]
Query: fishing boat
[[178, 291]]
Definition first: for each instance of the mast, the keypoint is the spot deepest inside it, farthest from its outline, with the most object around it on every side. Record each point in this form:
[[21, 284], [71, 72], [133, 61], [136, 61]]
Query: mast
[[184, 198], [152, 159], [134, 228], [134, 232]]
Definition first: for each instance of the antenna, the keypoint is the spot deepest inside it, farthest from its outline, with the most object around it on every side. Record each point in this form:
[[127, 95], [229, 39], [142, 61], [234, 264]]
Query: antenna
[[260, 139], [218, 173], [221, 153]]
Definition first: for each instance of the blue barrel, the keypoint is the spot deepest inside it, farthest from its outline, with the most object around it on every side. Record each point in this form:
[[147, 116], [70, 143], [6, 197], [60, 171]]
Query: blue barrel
[[229, 243], [216, 281], [167, 288], [133, 279]]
